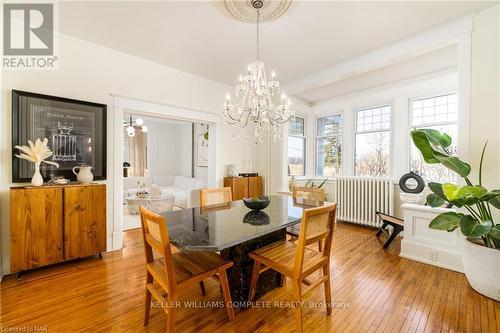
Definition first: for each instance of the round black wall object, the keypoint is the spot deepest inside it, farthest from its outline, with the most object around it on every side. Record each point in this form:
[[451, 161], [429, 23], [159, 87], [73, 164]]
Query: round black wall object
[[411, 183]]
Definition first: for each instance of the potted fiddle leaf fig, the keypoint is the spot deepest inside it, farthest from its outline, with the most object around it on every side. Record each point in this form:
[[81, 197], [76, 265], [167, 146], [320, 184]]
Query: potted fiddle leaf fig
[[481, 252]]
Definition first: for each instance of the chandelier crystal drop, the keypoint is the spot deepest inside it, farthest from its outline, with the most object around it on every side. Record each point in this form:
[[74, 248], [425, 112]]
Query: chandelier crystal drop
[[258, 101]]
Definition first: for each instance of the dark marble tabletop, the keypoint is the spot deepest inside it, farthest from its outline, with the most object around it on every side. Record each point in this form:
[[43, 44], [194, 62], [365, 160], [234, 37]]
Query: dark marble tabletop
[[219, 227]]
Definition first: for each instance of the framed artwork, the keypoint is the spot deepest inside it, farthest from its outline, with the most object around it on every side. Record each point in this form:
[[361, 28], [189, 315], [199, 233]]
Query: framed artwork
[[76, 132], [202, 148]]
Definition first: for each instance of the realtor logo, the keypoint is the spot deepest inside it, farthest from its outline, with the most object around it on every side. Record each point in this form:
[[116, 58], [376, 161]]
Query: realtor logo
[[28, 36]]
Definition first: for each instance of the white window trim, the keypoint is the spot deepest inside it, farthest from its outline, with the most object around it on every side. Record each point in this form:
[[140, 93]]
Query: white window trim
[[342, 143], [390, 130], [303, 117]]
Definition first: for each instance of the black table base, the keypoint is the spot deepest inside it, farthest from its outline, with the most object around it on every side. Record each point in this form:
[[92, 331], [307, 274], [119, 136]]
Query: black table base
[[240, 274]]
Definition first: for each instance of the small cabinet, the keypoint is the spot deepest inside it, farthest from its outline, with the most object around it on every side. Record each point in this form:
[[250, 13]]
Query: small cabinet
[[51, 224], [244, 187], [36, 236], [84, 221]]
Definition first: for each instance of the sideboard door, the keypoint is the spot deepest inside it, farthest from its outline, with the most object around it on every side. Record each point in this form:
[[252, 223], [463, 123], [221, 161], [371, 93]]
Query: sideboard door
[[254, 186], [36, 237], [84, 221]]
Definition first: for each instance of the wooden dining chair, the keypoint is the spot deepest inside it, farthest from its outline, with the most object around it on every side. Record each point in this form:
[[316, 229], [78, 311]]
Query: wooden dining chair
[[215, 196], [296, 261], [175, 272], [306, 196]]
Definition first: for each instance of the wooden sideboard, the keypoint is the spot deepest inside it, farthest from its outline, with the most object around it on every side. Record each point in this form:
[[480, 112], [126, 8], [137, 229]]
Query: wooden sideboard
[[51, 224], [244, 187]]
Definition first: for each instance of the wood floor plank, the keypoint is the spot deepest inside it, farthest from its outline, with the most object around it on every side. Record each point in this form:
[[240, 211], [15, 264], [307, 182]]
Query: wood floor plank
[[372, 290]]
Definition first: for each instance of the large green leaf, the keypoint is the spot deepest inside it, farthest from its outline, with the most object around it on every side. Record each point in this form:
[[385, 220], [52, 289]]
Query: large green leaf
[[454, 164], [495, 201], [446, 221], [437, 138], [422, 143], [437, 189], [495, 231], [453, 192], [450, 191], [471, 228], [434, 200], [474, 191]]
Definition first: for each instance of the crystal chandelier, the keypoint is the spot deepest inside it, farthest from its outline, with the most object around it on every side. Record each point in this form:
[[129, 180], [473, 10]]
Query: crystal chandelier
[[258, 101]]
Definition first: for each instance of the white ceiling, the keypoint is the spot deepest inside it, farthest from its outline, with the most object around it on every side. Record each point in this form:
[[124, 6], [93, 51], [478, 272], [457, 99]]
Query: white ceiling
[[432, 62], [201, 38]]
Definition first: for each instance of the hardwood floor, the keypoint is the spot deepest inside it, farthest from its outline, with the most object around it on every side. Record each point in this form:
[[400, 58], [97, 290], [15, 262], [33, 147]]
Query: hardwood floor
[[373, 291]]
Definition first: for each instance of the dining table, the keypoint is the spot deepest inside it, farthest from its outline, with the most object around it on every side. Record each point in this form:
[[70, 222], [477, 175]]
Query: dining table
[[234, 231]]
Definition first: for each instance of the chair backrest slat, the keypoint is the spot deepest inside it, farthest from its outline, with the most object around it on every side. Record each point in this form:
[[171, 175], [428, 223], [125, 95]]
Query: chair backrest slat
[[308, 195], [317, 224], [215, 196], [156, 238]]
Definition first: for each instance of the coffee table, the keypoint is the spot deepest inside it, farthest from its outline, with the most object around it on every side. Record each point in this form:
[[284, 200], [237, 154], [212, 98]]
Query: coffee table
[[160, 204]]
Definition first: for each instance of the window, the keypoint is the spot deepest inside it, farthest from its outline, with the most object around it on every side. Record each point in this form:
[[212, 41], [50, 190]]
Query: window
[[440, 113], [373, 142], [296, 147], [328, 145]]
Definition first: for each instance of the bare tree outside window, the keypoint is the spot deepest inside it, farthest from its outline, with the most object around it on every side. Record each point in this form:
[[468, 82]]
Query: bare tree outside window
[[373, 142], [374, 159]]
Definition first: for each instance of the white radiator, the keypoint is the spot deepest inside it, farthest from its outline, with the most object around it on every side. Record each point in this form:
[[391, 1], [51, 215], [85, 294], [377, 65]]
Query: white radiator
[[359, 198]]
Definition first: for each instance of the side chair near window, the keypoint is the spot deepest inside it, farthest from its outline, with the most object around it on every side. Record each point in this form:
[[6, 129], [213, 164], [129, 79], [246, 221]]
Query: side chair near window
[[175, 272], [296, 261], [306, 196], [215, 196]]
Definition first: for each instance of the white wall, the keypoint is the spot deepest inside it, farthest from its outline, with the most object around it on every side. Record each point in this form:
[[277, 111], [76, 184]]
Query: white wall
[[170, 150], [90, 72], [485, 97]]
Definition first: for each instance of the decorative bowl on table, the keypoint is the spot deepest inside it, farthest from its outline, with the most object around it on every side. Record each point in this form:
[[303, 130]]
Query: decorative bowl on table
[[256, 203]]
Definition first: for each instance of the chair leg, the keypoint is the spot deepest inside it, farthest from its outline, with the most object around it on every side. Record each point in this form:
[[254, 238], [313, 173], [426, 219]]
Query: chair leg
[[253, 282], [147, 303], [297, 295], [202, 287], [227, 294], [328, 290], [320, 245], [171, 315]]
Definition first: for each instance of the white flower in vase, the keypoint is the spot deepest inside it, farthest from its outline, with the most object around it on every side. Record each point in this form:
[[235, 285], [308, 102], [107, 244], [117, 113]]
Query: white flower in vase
[[36, 153]]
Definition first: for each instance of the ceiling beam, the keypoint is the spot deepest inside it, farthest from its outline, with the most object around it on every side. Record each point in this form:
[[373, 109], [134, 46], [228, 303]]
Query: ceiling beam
[[410, 47]]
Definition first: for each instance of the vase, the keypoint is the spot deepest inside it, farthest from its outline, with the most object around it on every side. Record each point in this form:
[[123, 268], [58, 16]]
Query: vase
[[482, 268], [37, 179], [84, 174]]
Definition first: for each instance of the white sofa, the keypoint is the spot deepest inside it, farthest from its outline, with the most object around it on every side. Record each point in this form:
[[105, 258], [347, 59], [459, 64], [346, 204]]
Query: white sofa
[[186, 190]]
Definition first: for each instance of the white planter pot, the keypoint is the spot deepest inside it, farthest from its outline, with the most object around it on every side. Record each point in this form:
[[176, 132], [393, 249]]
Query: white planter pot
[[482, 268]]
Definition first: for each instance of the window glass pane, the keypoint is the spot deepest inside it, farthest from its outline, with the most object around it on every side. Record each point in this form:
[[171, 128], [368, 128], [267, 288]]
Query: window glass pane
[[329, 125], [328, 155], [372, 154], [434, 172], [437, 109], [373, 119], [296, 156], [296, 126]]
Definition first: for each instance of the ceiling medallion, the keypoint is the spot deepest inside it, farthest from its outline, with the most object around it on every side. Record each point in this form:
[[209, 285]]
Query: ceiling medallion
[[244, 10]]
